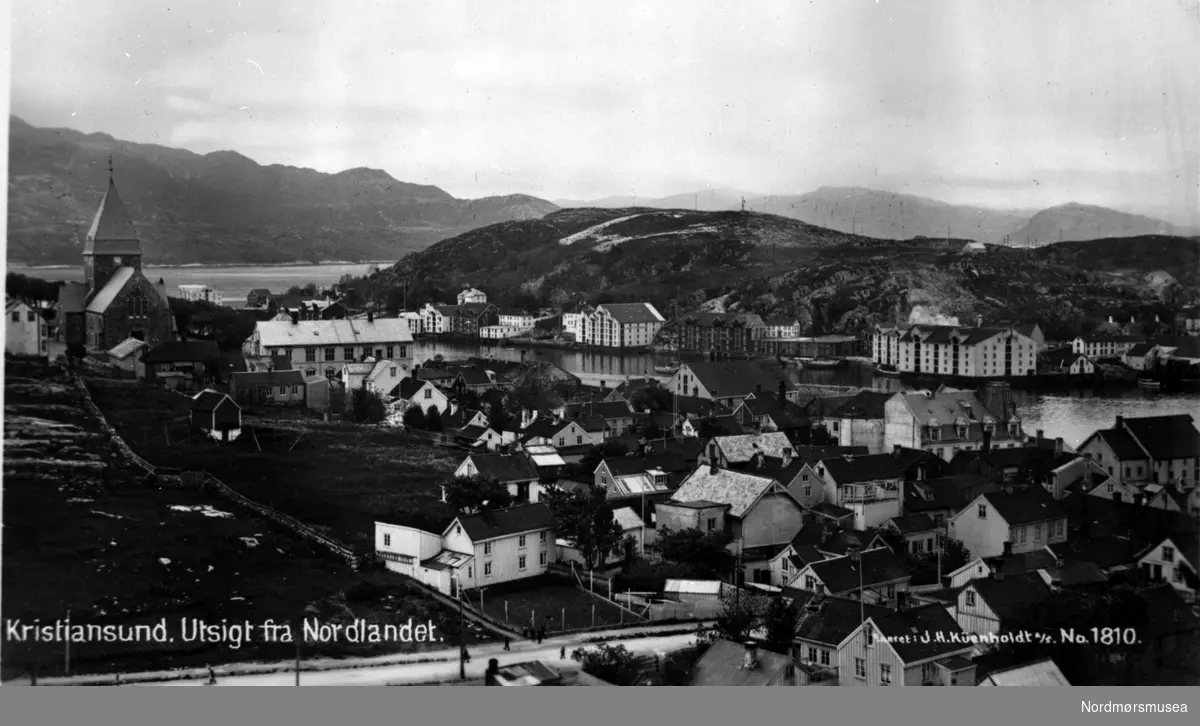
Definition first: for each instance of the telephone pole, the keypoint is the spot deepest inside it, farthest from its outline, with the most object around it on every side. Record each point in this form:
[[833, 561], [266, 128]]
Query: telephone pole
[[462, 635]]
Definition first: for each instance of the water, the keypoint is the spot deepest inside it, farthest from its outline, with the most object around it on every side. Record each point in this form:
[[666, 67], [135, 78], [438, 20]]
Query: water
[[233, 282], [1072, 416]]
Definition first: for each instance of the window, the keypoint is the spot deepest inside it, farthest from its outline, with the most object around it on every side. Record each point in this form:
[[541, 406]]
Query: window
[[562, 441], [329, 354], [311, 372], [392, 371], [891, 592], [1109, 488], [812, 654], [1060, 526], [808, 491], [983, 511], [521, 562], [542, 537], [30, 316], [870, 633], [1178, 574], [310, 355], [521, 541], [885, 674], [1021, 535], [283, 390], [387, 540], [487, 569], [458, 529], [16, 317], [487, 548], [403, 352], [542, 557], [390, 349], [860, 668], [824, 657], [348, 353], [1168, 554], [578, 440], [712, 523], [810, 583]]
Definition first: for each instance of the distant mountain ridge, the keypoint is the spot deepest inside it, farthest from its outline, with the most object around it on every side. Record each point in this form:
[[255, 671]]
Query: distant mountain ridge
[[890, 215], [225, 208]]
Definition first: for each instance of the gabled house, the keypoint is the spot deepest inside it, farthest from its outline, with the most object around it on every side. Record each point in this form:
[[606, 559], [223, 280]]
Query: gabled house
[[730, 383], [1028, 464], [1000, 604], [456, 419], [823, 623], [800, 478], [765, 414], [950, 421], [712, 427], [893, 650], [1102, 345], [618, 416], [876, 574], [1107, 487], [26, 330], [1175, 562], [920, 533], [275, 388], [415, 392], [626, 475], [476, 550], [1003, 566], [127, 356], [559, 434], [621, 325], [758, 514], [871, 486], [517, 472], [859, 421], [216, 414], [819, 540], [1149, 449], [197, 360], [1013, 520], [737, 451], [1066, 362], [485, 438], [726, 333]]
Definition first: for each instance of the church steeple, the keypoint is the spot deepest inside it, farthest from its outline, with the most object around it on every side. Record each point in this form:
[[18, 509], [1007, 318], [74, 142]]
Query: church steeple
[[111, 241]]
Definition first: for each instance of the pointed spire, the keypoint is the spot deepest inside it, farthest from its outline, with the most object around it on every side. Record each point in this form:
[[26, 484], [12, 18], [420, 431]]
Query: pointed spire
[[112, 232]]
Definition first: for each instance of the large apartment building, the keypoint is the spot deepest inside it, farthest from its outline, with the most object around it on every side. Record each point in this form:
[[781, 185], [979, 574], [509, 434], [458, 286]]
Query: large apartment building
[[621, 325], [323, 347], [955, 350]]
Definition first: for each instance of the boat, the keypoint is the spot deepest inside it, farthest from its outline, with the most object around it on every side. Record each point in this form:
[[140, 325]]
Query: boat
[[887, 370], [1149, 384], [666, 370], [824, 363]]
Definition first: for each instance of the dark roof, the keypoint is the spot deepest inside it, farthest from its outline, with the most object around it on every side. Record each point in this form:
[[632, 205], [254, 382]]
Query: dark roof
[[866, 404], [739, 378], [785, 416], [474, 376], [1106, 517], [956, 663], [762, 552], [1166, 437], [1021, 563], [831, 510], [1104, 552], [504, 467], [928, 495], [495, 523], [190, 351], [689, 448], [841, 574], [913, 523], [267, 378], [472, 432], [1123, 445], [1139, 349], [1025, 506], [720, 426], [813, 454], [632, 313], [900, 627], [542, 428], [209, 400], [805, 554], [695, 406], [606, 409], [829, 537], [408, 387], [1014, 597], [828, 620], [1166, 611], [723, 664], [851, 469]]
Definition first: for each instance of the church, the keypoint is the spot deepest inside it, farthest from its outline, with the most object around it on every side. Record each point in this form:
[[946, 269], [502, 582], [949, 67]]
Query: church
[[116, 301]]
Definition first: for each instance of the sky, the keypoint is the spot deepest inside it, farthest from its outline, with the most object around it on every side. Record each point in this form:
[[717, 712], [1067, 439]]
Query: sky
[[1004, 104]]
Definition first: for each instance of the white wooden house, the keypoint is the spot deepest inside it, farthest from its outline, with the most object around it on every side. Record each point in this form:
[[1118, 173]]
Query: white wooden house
[[996, 604], [477, 550], [876, 575], [1010, 521], [1165, 562], [883, 652]]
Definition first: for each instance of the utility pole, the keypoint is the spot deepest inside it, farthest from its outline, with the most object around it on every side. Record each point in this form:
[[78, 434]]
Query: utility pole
[[856, 558], [462, 633]]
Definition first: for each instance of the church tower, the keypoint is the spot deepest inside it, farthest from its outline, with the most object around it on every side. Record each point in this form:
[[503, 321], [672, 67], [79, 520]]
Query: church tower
[[111, 242]]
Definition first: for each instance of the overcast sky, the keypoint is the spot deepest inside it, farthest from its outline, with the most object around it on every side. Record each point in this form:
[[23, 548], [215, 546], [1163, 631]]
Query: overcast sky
[[1007, 103]]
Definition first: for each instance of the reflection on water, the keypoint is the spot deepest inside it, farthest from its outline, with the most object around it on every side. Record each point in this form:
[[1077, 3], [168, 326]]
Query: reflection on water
[[1072, 416]]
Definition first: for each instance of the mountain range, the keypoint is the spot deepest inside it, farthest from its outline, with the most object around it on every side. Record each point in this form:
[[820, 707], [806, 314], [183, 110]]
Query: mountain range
[[890, 215], [224, 208]]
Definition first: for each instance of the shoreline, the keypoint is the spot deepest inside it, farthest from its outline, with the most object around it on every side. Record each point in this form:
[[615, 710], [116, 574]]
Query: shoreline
[[16, 267]]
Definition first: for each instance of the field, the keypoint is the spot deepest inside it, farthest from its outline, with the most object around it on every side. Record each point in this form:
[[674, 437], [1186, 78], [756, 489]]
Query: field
[[85, 534], [546, 601], [338, 478]]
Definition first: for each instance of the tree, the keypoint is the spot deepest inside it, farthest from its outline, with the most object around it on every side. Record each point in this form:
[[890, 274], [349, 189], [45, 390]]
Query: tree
[[473, 494], [585, 517], [705, 551], [366, 406], [780, 622], [610, 663], [414, 417], [741, 613], [433, 418]]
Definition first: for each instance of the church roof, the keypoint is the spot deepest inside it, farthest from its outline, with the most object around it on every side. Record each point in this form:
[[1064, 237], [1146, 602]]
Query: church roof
[[105, 295], [112, 232]]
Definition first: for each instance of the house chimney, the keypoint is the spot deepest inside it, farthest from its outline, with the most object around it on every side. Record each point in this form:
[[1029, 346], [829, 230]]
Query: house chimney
[[787, 456], [492, 669], [1007, 548], [987, 442], [414, 372], [920, 472], [1058, 445], [370, 316], [1120, 422], [782, 392], [978, 321], [751, 661], [1039, 438], [759, 458], [295, 317], [712, 468], [1111, 320]]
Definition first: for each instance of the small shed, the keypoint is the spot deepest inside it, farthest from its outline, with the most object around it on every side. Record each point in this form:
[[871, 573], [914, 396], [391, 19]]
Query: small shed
[[973, 248], [692, 590], [128, 355], [217, 414], [317, 393]]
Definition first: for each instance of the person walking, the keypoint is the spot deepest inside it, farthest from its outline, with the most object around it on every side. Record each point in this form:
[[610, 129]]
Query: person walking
[[562, 653], [212, 676], [506, 643]]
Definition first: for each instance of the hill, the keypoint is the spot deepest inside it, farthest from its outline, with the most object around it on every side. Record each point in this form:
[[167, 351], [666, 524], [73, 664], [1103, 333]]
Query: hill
[[888, 215], [767, 264], [1082, 222], [224, 208]]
